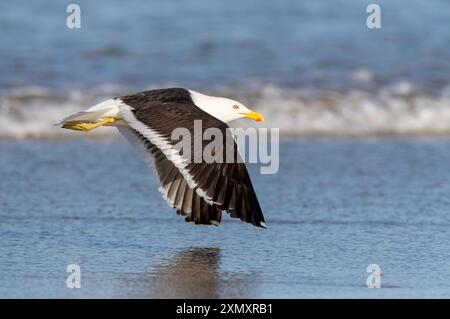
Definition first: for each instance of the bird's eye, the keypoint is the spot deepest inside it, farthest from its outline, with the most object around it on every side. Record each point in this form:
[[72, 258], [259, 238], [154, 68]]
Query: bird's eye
[[235, 107]]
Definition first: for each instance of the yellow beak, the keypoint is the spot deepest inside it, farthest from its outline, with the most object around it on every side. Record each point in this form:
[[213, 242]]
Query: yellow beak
[[258, 117]]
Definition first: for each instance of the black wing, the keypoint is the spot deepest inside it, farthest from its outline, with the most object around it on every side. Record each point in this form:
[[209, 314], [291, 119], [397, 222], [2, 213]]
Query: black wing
[[218, 186]]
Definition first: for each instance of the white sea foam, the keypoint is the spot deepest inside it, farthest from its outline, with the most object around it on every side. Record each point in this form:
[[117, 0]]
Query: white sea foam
[[32, 112], [395, 110], [398, 110]]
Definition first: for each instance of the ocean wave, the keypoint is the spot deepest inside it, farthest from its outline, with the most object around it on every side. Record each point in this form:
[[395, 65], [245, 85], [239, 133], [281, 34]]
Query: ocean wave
[[400, 109]]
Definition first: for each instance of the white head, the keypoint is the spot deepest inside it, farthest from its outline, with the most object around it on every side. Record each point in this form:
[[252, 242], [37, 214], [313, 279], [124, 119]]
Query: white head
[[224, 109]]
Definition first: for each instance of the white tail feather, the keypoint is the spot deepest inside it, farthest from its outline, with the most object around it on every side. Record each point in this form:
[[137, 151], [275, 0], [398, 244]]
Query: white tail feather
[[98, 112]]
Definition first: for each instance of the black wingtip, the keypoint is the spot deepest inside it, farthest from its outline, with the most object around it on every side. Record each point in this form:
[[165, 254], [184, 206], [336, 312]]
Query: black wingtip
[[262, 225]]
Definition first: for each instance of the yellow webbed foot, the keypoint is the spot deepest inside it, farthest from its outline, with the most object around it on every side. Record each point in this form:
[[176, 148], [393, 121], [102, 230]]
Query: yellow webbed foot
[[87, 126]]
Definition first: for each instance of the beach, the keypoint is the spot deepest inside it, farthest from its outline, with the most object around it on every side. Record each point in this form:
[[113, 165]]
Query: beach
[[95, 203], [364, 124]]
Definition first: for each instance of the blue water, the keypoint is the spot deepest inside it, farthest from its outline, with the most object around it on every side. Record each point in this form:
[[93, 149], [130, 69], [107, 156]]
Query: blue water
[[335, 206], [204, 44], [312, 68]]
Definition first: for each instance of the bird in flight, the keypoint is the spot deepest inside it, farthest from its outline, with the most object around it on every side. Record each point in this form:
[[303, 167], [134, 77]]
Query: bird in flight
[[199, 190]]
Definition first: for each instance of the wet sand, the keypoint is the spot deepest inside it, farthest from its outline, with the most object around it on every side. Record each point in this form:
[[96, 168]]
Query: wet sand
[[335, 206]]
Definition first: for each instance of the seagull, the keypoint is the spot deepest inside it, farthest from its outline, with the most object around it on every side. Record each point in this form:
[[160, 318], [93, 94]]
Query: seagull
[[200, 191]]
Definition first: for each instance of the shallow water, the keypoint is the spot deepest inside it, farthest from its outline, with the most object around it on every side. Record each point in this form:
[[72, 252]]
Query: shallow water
[[335, 206]]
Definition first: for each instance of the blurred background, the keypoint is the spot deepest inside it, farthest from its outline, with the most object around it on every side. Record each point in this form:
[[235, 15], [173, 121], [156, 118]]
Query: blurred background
[[312, 67], [364, 116]]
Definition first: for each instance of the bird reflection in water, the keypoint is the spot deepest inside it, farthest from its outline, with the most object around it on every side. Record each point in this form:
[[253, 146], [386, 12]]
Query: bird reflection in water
[[194, 273]]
